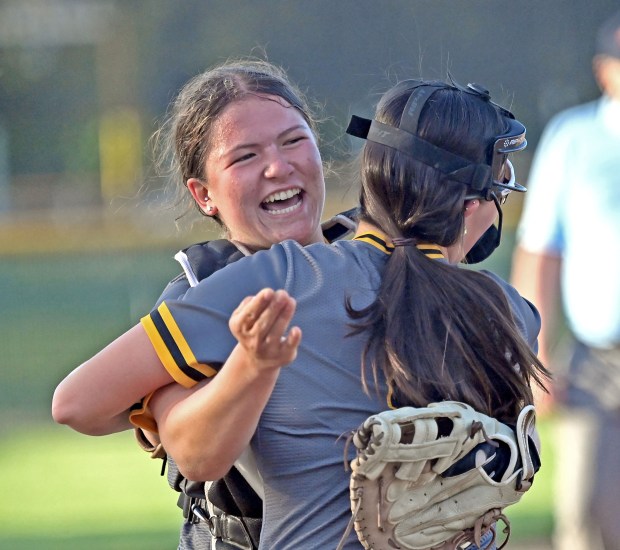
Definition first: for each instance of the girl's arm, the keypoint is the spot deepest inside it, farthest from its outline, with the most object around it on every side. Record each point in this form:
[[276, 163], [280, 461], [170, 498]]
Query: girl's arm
[[226, 409], [94, 399]]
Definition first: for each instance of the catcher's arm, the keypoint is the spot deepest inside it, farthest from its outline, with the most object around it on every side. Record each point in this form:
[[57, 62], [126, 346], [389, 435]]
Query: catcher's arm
[[235, 397]]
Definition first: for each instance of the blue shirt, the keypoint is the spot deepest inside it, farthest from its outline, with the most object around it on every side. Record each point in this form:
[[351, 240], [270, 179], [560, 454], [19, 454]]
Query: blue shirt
[[572, 209]]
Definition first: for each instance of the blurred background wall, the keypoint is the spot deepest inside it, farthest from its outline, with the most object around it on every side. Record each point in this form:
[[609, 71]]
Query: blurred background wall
[[83, 83]]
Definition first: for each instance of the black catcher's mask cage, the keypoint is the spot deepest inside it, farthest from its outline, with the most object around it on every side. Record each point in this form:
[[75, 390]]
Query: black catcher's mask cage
[[486, 181]]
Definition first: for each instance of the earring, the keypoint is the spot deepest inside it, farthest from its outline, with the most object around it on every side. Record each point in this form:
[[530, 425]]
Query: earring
[[464, 231], [209, 209]]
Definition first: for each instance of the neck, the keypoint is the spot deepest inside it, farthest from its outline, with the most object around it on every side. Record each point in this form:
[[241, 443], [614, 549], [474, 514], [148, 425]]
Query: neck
[[454, 254], [244, 248], [365, 227]]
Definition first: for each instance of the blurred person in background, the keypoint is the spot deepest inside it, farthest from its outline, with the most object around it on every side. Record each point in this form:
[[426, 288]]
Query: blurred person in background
[[572, 208]]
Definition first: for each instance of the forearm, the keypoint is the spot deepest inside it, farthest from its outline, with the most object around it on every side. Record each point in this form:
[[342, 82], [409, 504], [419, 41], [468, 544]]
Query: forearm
[[94, 399], [537, 278], [209, 429], [205, 429]]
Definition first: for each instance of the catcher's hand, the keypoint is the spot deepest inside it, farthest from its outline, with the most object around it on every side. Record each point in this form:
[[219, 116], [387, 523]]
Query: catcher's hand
[[437, 477]]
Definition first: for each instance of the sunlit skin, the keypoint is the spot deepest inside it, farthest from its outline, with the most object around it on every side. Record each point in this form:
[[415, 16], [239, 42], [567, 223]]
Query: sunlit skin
[[607, 73], [262, 148]]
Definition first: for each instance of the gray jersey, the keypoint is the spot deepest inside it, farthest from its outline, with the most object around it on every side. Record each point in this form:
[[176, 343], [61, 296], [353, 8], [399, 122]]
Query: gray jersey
[[318, 399]]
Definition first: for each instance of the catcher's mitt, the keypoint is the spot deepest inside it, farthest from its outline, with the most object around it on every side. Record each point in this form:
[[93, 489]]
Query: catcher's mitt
[[437, 477]]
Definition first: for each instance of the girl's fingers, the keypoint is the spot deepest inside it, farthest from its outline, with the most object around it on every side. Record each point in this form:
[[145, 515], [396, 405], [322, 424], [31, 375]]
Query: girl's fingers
[[250, 309], [275, 317], [239, 309], [282, 317], [288, 345], [265, 318], [293, 338]]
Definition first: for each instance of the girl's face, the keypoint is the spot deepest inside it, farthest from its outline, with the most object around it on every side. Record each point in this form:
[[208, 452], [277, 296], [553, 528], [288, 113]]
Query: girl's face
[[264, 176]]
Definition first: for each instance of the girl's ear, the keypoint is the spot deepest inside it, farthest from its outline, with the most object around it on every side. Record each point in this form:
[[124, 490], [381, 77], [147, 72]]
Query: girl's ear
[[471, 206], [199, 191]]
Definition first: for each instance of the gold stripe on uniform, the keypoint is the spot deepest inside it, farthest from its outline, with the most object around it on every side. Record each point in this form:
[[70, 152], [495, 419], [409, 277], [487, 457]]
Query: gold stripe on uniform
[[390, 396], [377, 240], [164, 354], [180, 341], [380, 241], [430, 251]]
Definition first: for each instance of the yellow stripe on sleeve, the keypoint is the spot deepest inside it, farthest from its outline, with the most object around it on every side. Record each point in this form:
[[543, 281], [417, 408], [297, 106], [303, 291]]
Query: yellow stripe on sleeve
[[164, 354], [180, 341]]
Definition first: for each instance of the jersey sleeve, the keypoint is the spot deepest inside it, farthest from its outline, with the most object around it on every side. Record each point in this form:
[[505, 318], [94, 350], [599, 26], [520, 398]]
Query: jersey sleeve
[[190, 334], [172, 347]]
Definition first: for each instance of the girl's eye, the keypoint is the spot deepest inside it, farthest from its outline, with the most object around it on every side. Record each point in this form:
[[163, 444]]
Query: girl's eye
[[242, 158], [294, 140]]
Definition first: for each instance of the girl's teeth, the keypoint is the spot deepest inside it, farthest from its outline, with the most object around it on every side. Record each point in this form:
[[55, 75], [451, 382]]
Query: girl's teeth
[[285, 210], [282, 195]]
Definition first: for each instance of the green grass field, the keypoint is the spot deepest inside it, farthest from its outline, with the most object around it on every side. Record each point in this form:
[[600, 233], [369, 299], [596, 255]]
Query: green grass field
[[60, 489], [64, 490]]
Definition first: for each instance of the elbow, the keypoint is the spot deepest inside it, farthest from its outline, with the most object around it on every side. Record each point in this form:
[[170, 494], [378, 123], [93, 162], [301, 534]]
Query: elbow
[[199, 464], [201, 470], [63, 410], [71, 412]]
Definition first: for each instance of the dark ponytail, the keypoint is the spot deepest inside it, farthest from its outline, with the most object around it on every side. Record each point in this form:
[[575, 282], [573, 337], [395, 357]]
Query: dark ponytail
[[435, 330]]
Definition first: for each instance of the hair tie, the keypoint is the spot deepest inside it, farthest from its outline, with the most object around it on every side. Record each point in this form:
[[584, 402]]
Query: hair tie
[[431, 251], [400, 241]]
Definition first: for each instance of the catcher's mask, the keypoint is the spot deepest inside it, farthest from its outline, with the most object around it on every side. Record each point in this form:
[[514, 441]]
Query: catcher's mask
[[492, 180]]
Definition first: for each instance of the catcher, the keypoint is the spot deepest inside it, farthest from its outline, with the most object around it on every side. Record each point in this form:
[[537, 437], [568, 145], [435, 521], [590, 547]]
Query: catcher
[[393, 299]]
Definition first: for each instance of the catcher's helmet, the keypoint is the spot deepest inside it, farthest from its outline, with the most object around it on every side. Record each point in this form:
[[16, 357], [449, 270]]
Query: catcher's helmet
[[494, 176], [492, 180]]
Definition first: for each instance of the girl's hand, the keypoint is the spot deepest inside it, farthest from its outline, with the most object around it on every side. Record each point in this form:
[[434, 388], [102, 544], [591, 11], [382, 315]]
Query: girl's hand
[[260, 323]]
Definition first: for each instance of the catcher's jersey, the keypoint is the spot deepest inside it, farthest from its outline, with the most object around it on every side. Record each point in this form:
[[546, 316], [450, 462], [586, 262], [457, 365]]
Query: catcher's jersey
[[318, 399]]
